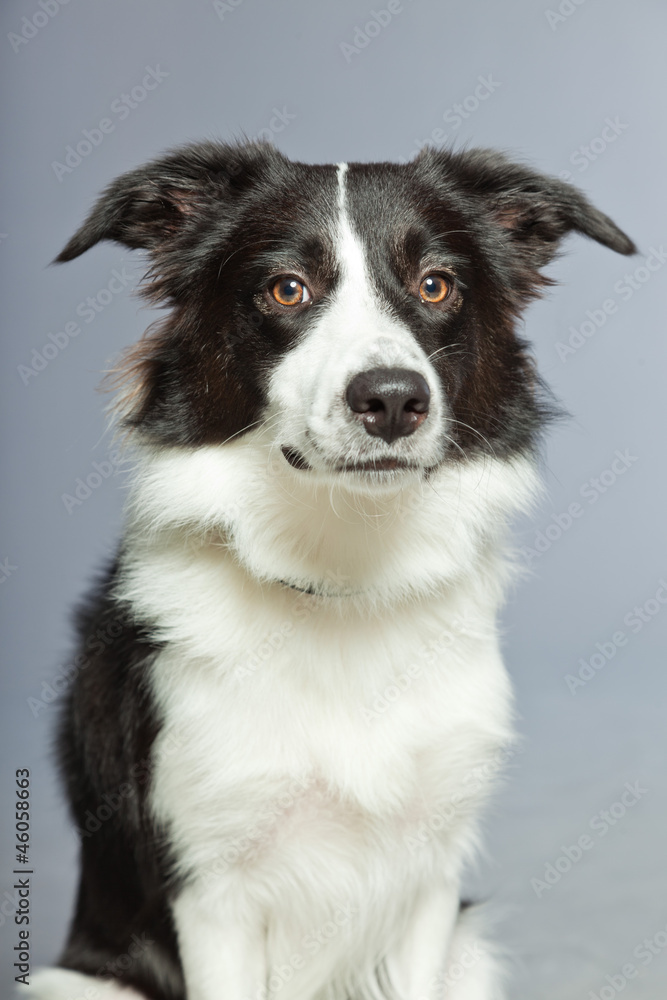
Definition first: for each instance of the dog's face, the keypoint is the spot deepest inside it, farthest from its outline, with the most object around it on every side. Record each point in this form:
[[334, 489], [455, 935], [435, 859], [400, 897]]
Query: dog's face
[[362, 314]]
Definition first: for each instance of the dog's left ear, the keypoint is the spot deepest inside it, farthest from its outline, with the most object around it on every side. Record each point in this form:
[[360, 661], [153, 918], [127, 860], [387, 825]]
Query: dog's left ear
[[534, 209]]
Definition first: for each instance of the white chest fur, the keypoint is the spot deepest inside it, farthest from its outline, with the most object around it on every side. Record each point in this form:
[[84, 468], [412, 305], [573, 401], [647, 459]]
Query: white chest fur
[[319, 752], [324, 759], [380, 713]]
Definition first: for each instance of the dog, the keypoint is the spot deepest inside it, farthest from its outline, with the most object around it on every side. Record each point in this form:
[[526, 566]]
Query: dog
[[293, 704]]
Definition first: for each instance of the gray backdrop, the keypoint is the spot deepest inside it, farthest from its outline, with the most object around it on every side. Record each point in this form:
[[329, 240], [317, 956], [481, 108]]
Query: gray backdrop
[[577, 87]]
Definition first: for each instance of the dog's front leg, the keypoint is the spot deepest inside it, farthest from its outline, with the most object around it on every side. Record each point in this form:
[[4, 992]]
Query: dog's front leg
[[416, 965], [223, 955]]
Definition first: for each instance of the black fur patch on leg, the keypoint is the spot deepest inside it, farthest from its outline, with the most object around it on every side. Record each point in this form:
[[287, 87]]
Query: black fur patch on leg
[[122, 927]]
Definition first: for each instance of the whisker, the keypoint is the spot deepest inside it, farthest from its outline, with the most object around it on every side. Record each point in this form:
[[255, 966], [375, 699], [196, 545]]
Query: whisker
[[439, 350], [486, 441], [456, 445]]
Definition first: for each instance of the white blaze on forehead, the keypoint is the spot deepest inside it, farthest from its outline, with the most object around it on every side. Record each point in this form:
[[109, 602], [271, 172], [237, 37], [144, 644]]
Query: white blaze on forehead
[[365, 323], [342, 170], [349, 248]]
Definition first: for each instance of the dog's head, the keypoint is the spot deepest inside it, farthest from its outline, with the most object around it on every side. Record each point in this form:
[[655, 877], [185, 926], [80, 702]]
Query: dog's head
[[363, 315]]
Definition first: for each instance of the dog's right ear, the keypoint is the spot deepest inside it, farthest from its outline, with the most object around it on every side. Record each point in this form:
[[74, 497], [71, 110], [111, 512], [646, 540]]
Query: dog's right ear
[[148, 207]]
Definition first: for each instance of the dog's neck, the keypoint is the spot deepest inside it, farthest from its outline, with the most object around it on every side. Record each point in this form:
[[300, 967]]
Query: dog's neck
[[282, 529]]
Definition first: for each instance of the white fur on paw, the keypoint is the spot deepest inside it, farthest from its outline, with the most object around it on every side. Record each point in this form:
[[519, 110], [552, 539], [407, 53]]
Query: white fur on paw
[[63, 984]]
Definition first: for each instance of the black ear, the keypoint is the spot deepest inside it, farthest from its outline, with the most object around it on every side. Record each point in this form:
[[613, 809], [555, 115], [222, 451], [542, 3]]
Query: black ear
[[534, 209], [146, 207]]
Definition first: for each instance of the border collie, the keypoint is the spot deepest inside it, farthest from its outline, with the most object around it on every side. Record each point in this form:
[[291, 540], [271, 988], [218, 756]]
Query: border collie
[[277, 756]]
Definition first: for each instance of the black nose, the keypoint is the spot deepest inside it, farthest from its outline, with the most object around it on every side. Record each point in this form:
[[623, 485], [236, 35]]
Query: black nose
[[391, 402]]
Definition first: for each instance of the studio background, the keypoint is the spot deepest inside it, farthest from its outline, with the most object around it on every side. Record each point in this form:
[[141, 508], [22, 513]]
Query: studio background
[[576, 87]]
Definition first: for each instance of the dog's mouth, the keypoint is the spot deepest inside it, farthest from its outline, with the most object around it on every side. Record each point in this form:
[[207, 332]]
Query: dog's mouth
[[378, 465], [297, 461]]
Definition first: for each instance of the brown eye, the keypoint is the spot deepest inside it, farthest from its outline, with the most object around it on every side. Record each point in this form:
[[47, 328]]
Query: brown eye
[[434, 288], [289, 291]]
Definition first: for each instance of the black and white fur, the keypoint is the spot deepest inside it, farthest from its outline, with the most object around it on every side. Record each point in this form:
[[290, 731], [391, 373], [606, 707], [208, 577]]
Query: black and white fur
[[283, 568]]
